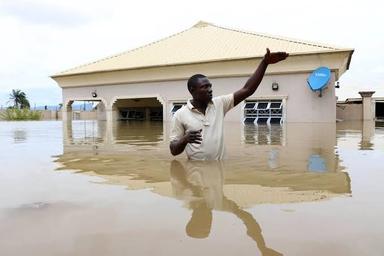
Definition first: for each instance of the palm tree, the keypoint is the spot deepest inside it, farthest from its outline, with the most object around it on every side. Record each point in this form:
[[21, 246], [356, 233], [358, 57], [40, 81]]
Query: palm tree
[[25, 103], [19, 99]]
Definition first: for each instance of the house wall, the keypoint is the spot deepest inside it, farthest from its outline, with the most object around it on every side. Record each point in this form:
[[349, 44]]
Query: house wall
[[301, 104]]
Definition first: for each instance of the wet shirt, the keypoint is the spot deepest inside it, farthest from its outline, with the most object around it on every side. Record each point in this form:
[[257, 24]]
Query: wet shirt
[[212, 123]]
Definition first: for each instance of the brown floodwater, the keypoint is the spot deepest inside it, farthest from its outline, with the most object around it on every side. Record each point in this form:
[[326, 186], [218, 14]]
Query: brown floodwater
[[88, 188]]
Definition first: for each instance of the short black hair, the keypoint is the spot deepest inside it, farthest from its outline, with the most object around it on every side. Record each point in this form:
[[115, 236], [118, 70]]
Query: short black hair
[[193, 80]]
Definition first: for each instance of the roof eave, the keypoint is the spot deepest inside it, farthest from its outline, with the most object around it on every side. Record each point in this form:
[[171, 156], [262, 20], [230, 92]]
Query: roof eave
[[203, 62]]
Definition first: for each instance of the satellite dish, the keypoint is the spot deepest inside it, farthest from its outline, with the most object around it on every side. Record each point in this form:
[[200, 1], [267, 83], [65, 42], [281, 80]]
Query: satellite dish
[[319, 79]]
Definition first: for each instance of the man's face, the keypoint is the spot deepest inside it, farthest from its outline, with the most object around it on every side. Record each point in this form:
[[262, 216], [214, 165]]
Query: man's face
[[202, 90]]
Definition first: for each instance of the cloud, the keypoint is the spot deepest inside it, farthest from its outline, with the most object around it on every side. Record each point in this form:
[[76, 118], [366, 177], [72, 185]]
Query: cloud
[[378, 70], [43, 37], [43, 14]]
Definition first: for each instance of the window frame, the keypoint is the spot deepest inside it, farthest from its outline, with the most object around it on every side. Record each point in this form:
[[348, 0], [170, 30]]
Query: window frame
[[264, 112]]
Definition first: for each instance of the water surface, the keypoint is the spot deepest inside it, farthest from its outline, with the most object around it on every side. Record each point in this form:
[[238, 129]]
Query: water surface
[[87, 188]]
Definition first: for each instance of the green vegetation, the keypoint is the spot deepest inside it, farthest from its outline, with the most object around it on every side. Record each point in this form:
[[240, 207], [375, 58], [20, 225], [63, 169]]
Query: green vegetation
[[20, 114], [19, 99], [20, 109]]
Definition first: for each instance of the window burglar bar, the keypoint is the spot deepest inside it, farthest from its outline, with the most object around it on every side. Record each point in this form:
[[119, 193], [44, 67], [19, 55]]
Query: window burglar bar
[[263, 112]]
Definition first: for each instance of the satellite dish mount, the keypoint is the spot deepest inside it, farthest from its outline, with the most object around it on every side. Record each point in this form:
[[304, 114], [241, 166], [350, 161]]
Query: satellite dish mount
[[319, 79]]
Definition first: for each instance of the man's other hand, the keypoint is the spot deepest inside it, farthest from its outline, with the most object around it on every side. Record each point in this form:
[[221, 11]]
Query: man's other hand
[[193, 137]]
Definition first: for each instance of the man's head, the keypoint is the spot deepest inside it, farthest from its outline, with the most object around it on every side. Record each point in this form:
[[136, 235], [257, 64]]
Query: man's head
[[200, 88]]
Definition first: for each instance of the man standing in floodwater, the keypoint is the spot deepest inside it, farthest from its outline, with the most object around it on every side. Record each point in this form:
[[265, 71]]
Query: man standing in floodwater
[[197, 127]]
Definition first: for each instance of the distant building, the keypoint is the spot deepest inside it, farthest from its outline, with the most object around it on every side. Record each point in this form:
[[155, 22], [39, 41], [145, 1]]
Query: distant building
[[149, 83], [366, 108]]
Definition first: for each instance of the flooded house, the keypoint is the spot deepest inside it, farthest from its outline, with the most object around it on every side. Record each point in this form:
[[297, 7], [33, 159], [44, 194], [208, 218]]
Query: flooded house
[[150, 82]]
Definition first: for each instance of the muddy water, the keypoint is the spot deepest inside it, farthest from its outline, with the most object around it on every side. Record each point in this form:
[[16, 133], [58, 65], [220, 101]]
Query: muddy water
[[88, 188]]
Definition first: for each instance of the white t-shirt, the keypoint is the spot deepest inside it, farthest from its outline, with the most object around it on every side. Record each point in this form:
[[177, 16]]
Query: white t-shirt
[[212, 123]]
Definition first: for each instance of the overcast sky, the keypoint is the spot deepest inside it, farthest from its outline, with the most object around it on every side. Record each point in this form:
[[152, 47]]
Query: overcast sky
[[42, 37]]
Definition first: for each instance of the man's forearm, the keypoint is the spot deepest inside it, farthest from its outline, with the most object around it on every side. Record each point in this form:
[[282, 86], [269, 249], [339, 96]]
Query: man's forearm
[[178, 146], [251, 85], [254, 81]]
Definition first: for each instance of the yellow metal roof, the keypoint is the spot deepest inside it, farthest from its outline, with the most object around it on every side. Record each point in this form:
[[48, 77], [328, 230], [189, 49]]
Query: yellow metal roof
[[204, 42]]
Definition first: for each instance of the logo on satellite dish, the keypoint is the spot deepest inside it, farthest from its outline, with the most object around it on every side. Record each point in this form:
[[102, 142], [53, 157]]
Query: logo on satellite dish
[[319, 79]]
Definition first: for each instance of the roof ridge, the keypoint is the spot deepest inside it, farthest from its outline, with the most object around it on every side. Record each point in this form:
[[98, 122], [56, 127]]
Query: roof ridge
[[281, 38], [131, 50], [296, 45]]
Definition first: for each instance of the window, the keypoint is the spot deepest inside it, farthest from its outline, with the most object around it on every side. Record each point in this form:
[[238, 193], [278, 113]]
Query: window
[[176, 106], [263, 112], [249, 105]]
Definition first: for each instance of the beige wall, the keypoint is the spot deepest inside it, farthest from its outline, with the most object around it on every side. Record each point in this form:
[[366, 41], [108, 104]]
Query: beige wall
[[302, 105], [349, 112], [48, 115]]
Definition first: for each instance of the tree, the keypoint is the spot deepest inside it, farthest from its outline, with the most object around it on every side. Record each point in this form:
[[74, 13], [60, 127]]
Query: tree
[[19, 99]]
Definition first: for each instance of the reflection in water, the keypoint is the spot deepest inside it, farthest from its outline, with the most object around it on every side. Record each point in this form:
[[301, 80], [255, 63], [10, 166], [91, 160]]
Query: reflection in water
[[367, 135], [19, 136], [200, 185], [291, 147], [307, 162], [138, 133], [93, 132], [263, 134], [316, 164], [302, 167], [254, 200], [86, 132]]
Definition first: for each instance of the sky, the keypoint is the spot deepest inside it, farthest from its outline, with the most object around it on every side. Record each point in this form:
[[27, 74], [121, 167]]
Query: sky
[[40, 38]]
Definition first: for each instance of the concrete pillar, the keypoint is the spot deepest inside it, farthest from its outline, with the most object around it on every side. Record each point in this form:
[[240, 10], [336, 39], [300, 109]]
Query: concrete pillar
[[66, 113], [108, 138], [101, 115], [368, 108], [109, 115], [111, 118]]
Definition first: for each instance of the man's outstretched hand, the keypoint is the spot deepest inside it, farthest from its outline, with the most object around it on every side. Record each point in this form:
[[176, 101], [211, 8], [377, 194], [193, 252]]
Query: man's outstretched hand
[[274, 57]]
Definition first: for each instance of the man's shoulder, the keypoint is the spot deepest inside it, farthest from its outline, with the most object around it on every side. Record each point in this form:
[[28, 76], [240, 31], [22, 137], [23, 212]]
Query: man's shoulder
[[181, 111], [226, 102], [223, 99]]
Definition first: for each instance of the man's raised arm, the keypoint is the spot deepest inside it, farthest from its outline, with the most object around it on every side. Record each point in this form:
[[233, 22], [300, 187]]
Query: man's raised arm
[[254, 81]]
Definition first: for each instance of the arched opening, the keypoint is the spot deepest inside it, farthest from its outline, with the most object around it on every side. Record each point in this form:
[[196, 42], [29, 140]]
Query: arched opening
[[139, 109], [85, 110]]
